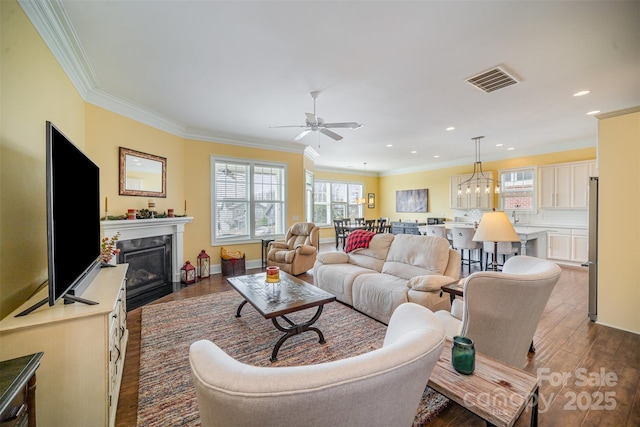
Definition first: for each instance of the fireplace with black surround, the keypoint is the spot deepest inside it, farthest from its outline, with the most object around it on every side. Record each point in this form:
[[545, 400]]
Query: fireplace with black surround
[[150, 269]]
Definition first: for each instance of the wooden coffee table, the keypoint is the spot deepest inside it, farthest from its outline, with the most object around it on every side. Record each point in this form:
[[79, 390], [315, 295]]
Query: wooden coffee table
[[274, 301], [496, 392]]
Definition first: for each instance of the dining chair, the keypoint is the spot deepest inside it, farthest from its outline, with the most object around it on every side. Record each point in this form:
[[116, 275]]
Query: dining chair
[[358, 221], [341, 232], [463, 241], [382, 225], [370, 224]]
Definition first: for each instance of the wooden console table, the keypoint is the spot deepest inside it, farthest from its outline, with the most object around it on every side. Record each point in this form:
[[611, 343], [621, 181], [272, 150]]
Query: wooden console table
[[18, 390], [496, 392]]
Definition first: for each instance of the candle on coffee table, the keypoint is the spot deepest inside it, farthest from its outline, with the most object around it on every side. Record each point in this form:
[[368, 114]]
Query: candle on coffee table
[[273, 274]]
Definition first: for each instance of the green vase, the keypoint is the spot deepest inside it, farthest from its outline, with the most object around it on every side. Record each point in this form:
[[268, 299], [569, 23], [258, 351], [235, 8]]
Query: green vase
[[463, 355]]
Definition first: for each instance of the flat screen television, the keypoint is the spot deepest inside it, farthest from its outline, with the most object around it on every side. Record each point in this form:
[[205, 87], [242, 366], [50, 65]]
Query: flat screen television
[[73, 219]]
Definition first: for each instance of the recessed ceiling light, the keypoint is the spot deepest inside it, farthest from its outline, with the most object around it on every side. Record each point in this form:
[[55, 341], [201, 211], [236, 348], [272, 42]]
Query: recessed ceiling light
[[389, 145], [436, 156], [451, 128], [499, 145], [414, 152], [511, 148], [591, 113], [581, 93]]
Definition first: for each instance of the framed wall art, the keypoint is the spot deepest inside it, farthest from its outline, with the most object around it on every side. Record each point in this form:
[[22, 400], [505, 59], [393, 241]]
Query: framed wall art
[[412, 200]]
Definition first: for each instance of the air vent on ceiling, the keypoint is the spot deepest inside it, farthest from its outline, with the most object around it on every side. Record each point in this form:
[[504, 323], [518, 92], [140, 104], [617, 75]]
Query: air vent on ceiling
[[492, 80]]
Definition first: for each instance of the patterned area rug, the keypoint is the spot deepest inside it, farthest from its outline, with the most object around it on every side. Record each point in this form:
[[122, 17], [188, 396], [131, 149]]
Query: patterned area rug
[[166, 395]]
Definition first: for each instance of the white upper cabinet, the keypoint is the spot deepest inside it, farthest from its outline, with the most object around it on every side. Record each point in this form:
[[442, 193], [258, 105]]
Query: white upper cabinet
[[565, 186]]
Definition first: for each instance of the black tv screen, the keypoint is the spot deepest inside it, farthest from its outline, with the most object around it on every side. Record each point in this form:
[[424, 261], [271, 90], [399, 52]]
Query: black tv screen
[[73, 216]]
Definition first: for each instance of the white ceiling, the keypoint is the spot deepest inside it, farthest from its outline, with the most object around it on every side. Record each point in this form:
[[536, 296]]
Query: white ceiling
[[228, 70]]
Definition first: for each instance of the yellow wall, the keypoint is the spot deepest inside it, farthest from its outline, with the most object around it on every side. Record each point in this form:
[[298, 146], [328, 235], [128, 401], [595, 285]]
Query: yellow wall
[[197, 175], [437, 181], [33, 89], [106, 132], [619, 170]]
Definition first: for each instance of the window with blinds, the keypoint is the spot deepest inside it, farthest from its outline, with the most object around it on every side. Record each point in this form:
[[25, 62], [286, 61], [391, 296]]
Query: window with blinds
[[248, 200]]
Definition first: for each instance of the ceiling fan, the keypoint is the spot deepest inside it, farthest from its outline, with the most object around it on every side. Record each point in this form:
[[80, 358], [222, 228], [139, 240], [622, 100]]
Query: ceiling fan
[[313, 123]]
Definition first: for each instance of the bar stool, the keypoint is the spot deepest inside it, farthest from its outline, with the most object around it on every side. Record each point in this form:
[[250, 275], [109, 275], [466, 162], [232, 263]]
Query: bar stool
[[463, 240], [436, 230], [506, 249]]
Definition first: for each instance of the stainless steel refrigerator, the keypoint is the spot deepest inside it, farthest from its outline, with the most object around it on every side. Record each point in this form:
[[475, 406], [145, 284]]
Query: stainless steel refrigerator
[[592, 263]]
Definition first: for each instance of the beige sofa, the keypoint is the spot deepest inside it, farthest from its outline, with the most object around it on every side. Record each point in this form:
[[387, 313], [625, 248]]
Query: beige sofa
[[394, 269]]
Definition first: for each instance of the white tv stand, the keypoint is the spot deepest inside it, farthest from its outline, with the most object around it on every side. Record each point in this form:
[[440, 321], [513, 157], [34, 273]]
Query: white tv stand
[[84, 347]]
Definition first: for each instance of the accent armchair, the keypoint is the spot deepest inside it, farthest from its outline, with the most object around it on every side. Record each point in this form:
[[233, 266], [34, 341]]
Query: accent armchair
[[501, 310], [379, 388], [297, 253]]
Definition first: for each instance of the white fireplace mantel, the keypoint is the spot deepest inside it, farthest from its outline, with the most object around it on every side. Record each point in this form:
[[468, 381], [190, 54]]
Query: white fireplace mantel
[[141, 228]]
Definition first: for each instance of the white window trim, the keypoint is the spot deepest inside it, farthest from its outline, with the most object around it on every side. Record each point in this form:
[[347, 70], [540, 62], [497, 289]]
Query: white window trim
[[534, 192], [330, 203], [252, 163]]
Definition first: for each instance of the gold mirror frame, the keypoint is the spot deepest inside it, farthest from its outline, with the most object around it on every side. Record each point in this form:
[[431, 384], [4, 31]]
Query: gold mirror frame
[[154, 169]]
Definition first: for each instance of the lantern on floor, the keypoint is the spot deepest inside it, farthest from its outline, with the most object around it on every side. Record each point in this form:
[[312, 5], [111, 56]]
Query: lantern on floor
[[204, 261], [188, 273]]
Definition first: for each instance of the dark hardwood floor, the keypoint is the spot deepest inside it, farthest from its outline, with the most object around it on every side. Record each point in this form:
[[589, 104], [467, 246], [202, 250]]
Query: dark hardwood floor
[[603, 388]]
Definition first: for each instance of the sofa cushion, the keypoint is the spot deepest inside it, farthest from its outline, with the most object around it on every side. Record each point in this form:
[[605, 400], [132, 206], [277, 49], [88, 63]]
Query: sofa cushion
[[337, 279], [428, 282], [378, 295], [374, 256], [411, 255]]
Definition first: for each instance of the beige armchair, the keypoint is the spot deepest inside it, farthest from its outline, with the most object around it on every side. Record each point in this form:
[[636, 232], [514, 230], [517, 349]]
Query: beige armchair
[[297, 253], [501, 310], [380, 388]]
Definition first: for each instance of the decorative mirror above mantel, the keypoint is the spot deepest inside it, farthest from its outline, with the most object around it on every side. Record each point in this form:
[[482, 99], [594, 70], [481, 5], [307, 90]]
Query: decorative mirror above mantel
[[142, 174]]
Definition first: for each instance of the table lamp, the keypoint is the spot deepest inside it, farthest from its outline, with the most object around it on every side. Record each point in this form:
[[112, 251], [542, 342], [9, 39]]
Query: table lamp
[[495, 227]]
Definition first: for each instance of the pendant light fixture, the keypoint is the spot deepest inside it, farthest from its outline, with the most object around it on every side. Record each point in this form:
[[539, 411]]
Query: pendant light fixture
[[362, 200], [478, 174]]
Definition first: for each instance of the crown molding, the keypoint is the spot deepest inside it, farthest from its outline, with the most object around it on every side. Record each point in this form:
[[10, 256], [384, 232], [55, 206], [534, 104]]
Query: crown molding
[[52, 22]]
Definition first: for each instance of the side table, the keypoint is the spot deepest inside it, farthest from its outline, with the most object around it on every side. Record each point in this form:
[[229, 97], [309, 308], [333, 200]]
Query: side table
[[496, 391], [18, 388], [265, 247], [454, 289]]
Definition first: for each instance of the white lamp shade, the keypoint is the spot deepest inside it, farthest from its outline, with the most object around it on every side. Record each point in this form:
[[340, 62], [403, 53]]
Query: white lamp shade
[[495, 227]]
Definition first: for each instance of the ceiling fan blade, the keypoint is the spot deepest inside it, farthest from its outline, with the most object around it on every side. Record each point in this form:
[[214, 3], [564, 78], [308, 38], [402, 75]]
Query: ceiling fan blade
[[349, 125], [302, 134], [331, 134], [290, 126]]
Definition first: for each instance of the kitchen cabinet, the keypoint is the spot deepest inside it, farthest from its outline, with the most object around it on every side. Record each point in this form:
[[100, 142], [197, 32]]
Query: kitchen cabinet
[[473, 199], [579, 245], [571, 245], [565, 185]]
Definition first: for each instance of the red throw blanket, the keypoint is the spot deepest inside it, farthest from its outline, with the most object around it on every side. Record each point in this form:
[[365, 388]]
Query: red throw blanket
[[358, 239]]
